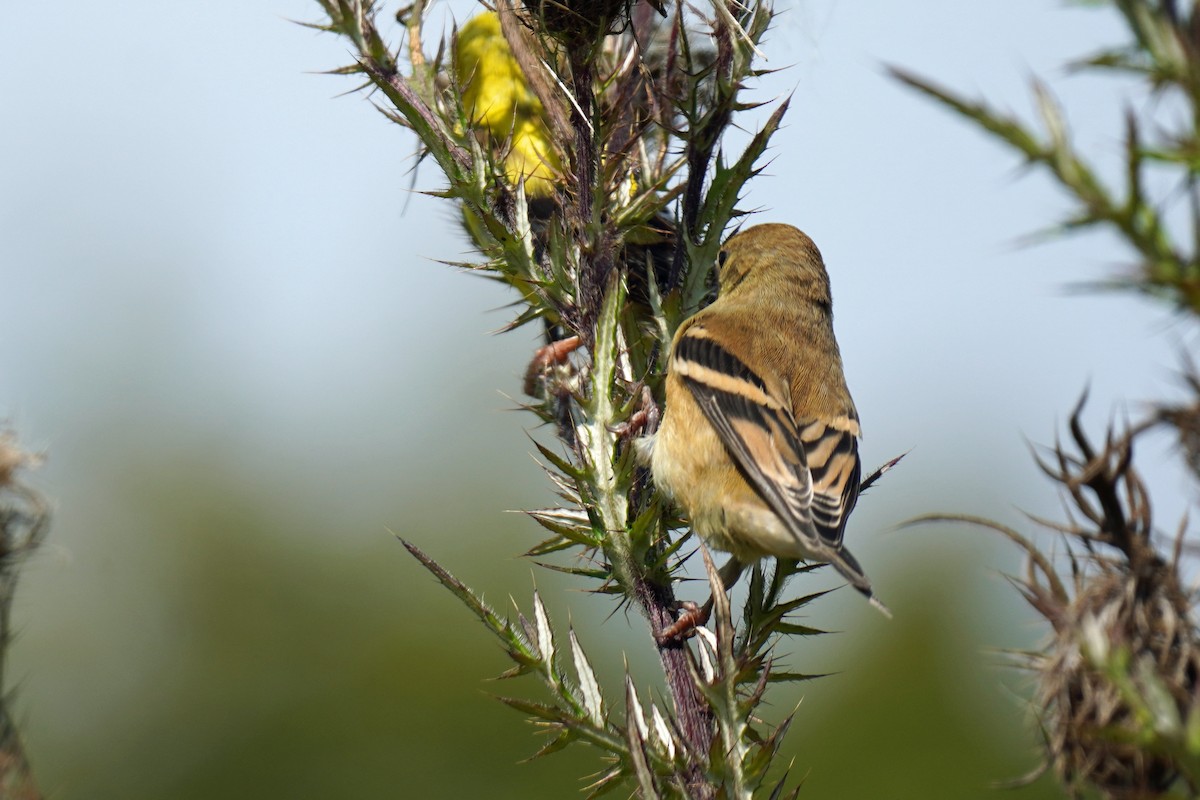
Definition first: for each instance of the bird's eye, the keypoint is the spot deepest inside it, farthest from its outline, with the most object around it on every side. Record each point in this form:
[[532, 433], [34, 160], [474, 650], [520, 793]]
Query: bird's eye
[[721, 258]]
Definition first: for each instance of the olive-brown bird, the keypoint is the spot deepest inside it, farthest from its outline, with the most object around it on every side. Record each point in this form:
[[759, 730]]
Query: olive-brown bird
[[759, 439]]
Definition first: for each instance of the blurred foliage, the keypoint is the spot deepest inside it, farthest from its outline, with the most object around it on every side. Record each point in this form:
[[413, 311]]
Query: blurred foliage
[[307, 672], [1161, 227]]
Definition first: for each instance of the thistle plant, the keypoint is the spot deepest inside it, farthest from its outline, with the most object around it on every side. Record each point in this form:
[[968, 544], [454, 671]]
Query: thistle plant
[[1118, 678], [594, 184]]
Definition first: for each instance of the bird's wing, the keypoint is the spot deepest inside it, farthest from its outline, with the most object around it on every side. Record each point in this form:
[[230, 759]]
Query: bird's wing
[[831, 449], [756, 426], [807, 473]]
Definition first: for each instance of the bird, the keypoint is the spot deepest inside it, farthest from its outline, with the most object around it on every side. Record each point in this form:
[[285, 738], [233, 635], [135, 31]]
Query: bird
[[499, 102], [758, 442], [506, 116]]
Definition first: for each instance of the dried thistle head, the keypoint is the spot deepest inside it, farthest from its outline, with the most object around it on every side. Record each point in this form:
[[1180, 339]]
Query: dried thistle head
[[1118, 680], [1124, 653], [1122, 638], [13, 458], [1185, 419], [23, 512], [580, 23]]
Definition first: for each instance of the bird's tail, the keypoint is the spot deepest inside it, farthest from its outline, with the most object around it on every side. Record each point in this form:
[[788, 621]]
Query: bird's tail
[[848, 565]]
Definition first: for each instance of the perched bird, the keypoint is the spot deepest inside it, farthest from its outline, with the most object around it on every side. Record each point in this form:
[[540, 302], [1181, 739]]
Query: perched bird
[[498, 100], [759, 438], [507, 117]]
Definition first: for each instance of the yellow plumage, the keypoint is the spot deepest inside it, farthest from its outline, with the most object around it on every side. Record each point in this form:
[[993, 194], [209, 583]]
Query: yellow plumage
[[501, 106]]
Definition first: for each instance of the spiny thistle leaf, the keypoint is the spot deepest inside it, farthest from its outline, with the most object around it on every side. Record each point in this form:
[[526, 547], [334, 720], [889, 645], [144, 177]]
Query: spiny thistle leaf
[[501, 628], [609, 781], [723, 692], [724, 192], [791, 629], [635, 734], [593, 700], [535, 709], [566, 523], [545, 636], [795, 677], [662, 732]]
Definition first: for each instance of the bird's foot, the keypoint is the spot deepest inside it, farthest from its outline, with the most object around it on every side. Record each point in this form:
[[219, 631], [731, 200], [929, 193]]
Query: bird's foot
[[538, 375], [643, 421], [691, 616]]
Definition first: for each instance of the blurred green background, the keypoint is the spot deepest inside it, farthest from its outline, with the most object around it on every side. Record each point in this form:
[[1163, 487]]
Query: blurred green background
[[224, 323]]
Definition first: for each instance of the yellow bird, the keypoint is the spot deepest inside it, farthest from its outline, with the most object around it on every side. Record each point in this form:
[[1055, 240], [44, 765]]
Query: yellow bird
[[759, 438], [498, 100], [510, 119]]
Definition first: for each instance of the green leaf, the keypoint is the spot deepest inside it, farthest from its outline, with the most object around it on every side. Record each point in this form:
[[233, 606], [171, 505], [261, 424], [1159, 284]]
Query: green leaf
[[560, 463], [556, 744], [606, 783], [535, 709], [545, 635], [635, 736], [795, 677], [791, 629], [589, 687], [501, 628]]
